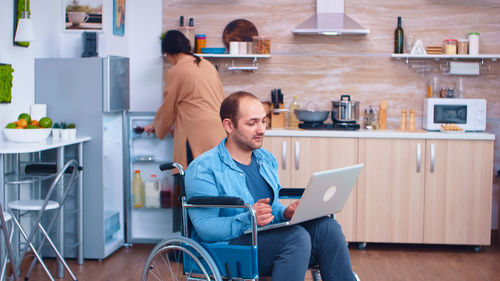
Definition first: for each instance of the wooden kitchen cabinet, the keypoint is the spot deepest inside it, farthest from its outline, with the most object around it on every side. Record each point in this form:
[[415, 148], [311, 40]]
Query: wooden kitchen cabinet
[[299, 157], [446, 201], [458, 192], [391, 190]]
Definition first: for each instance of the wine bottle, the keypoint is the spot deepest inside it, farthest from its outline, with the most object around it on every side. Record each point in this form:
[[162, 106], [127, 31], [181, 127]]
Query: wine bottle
[[398, 38]]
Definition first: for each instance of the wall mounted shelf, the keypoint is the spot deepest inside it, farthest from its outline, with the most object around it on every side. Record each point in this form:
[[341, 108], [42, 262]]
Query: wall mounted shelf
[[233, 67], [480, 57], [229, 56]]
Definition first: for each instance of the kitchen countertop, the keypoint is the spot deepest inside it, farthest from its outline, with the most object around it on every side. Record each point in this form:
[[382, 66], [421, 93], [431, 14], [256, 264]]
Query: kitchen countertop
[[385, 134], [7, 147]]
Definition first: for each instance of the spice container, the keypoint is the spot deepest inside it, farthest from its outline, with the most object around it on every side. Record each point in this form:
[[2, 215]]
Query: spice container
[[462, 46], [370, 120], [261, 45], [411, 127], [257, 44], [403, 119], [266, 45], [201, 42], [473, 43], [450, 46]]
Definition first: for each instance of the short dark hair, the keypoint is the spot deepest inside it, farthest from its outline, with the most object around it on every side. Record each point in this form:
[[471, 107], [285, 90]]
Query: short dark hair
[[230, 106], [174, 42]]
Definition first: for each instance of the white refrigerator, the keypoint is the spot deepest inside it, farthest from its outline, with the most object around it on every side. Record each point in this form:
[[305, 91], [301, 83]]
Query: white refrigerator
[[93, 93]]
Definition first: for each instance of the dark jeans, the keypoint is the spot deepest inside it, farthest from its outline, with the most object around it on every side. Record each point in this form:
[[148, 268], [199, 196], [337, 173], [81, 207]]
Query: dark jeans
[[286, 252]]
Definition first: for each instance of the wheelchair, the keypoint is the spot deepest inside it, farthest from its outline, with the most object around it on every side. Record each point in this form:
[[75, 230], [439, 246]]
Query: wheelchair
[[182, 258]]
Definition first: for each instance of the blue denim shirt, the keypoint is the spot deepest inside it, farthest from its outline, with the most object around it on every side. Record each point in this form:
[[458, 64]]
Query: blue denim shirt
[[214, 173]]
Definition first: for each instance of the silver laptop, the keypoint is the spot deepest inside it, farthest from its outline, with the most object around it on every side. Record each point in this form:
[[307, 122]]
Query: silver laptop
[[326, 193]]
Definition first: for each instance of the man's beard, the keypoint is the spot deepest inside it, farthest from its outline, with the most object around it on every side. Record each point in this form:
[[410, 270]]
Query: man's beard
[[249, 145]]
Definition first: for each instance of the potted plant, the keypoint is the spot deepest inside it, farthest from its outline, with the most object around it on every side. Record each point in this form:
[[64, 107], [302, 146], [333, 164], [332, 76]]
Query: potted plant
[[72, 131], [64, 131], [56, 132]]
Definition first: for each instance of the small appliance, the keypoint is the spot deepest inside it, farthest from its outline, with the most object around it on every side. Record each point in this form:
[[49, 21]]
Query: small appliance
[[469, 114]]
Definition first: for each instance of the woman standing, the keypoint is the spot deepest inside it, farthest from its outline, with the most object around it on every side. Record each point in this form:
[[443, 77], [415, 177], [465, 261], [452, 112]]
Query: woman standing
[[192, 96]]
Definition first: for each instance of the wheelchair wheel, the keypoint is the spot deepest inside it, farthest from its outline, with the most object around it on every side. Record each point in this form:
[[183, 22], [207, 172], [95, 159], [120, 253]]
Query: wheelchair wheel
[[180, 258]]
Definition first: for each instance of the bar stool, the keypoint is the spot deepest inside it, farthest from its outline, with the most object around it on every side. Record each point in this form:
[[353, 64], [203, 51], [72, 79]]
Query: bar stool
[[37, 209], [5, 218]]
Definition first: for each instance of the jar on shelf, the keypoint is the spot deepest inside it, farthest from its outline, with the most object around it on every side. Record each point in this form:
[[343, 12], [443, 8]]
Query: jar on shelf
[[257, 44], [473, 43], [201, 42], [462, 46], [450, 46], [261, 44]]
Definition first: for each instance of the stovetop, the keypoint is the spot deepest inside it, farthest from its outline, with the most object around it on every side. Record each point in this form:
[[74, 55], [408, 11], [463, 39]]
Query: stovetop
[[329, 126]]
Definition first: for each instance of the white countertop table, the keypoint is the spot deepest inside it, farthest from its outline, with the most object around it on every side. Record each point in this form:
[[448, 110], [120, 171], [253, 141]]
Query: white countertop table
[[8, 147], [391, 134]]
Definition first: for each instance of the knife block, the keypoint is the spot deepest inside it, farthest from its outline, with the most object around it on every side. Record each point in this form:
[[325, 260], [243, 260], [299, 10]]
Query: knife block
[[278, 119]]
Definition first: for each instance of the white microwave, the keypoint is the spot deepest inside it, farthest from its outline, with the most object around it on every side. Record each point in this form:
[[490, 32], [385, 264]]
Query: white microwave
[[469, 114]]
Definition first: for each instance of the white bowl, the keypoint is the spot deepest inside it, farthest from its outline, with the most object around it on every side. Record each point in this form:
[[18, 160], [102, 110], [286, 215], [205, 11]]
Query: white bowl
[[27, 135]]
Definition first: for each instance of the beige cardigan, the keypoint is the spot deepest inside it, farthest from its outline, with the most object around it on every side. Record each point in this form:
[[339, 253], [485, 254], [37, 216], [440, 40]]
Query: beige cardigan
[[191, 100]]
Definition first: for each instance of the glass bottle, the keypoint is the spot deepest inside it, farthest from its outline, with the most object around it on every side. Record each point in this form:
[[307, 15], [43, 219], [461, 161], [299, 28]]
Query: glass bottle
[[398, 38], [293, 122], [137, 190]]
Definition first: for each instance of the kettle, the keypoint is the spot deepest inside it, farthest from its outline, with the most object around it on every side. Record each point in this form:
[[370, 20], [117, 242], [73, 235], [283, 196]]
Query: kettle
[[345, 110]]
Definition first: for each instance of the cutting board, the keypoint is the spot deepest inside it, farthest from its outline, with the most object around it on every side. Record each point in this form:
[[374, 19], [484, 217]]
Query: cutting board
[[239, 30]]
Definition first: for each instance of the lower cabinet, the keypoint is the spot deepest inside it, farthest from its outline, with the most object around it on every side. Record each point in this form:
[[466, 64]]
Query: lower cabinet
[[391, 190], [432, 191], [299, 157], [410, 190], [458, 192]]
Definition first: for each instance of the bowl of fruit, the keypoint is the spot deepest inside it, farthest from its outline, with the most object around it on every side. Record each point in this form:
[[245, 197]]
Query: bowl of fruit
[[27, 130]]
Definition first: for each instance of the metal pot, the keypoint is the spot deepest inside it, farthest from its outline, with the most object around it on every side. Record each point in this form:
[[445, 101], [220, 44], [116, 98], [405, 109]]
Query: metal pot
[[345, 110], [311, 115]]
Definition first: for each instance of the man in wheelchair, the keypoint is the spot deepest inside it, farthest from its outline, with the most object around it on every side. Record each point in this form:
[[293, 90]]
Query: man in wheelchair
[[239, 167]]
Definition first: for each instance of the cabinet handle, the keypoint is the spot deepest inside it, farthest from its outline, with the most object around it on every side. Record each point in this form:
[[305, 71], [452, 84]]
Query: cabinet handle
[[297, 155], [283, 155], [419, 157], [433, 157]]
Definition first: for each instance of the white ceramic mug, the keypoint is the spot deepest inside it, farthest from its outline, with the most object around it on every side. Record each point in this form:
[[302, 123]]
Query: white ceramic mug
[[234, 47], [75, 18], [242, 48]]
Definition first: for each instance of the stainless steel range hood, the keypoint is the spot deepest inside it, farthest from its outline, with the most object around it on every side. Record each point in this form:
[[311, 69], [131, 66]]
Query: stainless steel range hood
[[330, 19]]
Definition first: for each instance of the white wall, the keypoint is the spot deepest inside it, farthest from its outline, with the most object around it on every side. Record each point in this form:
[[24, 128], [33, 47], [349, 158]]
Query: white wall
[[143, 21], [47, 44], [145, 55]]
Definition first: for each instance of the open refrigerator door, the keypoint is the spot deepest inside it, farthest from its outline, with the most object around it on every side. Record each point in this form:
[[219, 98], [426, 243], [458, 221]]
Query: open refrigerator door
[[149, 197]]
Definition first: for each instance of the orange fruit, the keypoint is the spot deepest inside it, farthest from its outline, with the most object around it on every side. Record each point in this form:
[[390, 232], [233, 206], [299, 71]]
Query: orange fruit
[[22, 123], [34, 123], [19, 127]]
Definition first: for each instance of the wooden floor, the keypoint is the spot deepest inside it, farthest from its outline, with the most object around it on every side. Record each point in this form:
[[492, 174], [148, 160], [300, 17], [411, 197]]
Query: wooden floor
[[378, 262]]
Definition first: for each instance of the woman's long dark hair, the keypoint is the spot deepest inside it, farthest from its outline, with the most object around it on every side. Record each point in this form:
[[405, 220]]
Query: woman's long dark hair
[[174, 42]]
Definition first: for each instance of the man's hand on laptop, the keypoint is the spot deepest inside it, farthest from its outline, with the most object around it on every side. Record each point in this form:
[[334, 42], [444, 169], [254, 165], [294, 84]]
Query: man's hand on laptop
[[290, 210], [264, 211]]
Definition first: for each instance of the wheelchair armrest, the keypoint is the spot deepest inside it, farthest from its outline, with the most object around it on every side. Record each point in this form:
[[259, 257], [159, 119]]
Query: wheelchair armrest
[[291, 193], [213, 200], [172, 165]]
